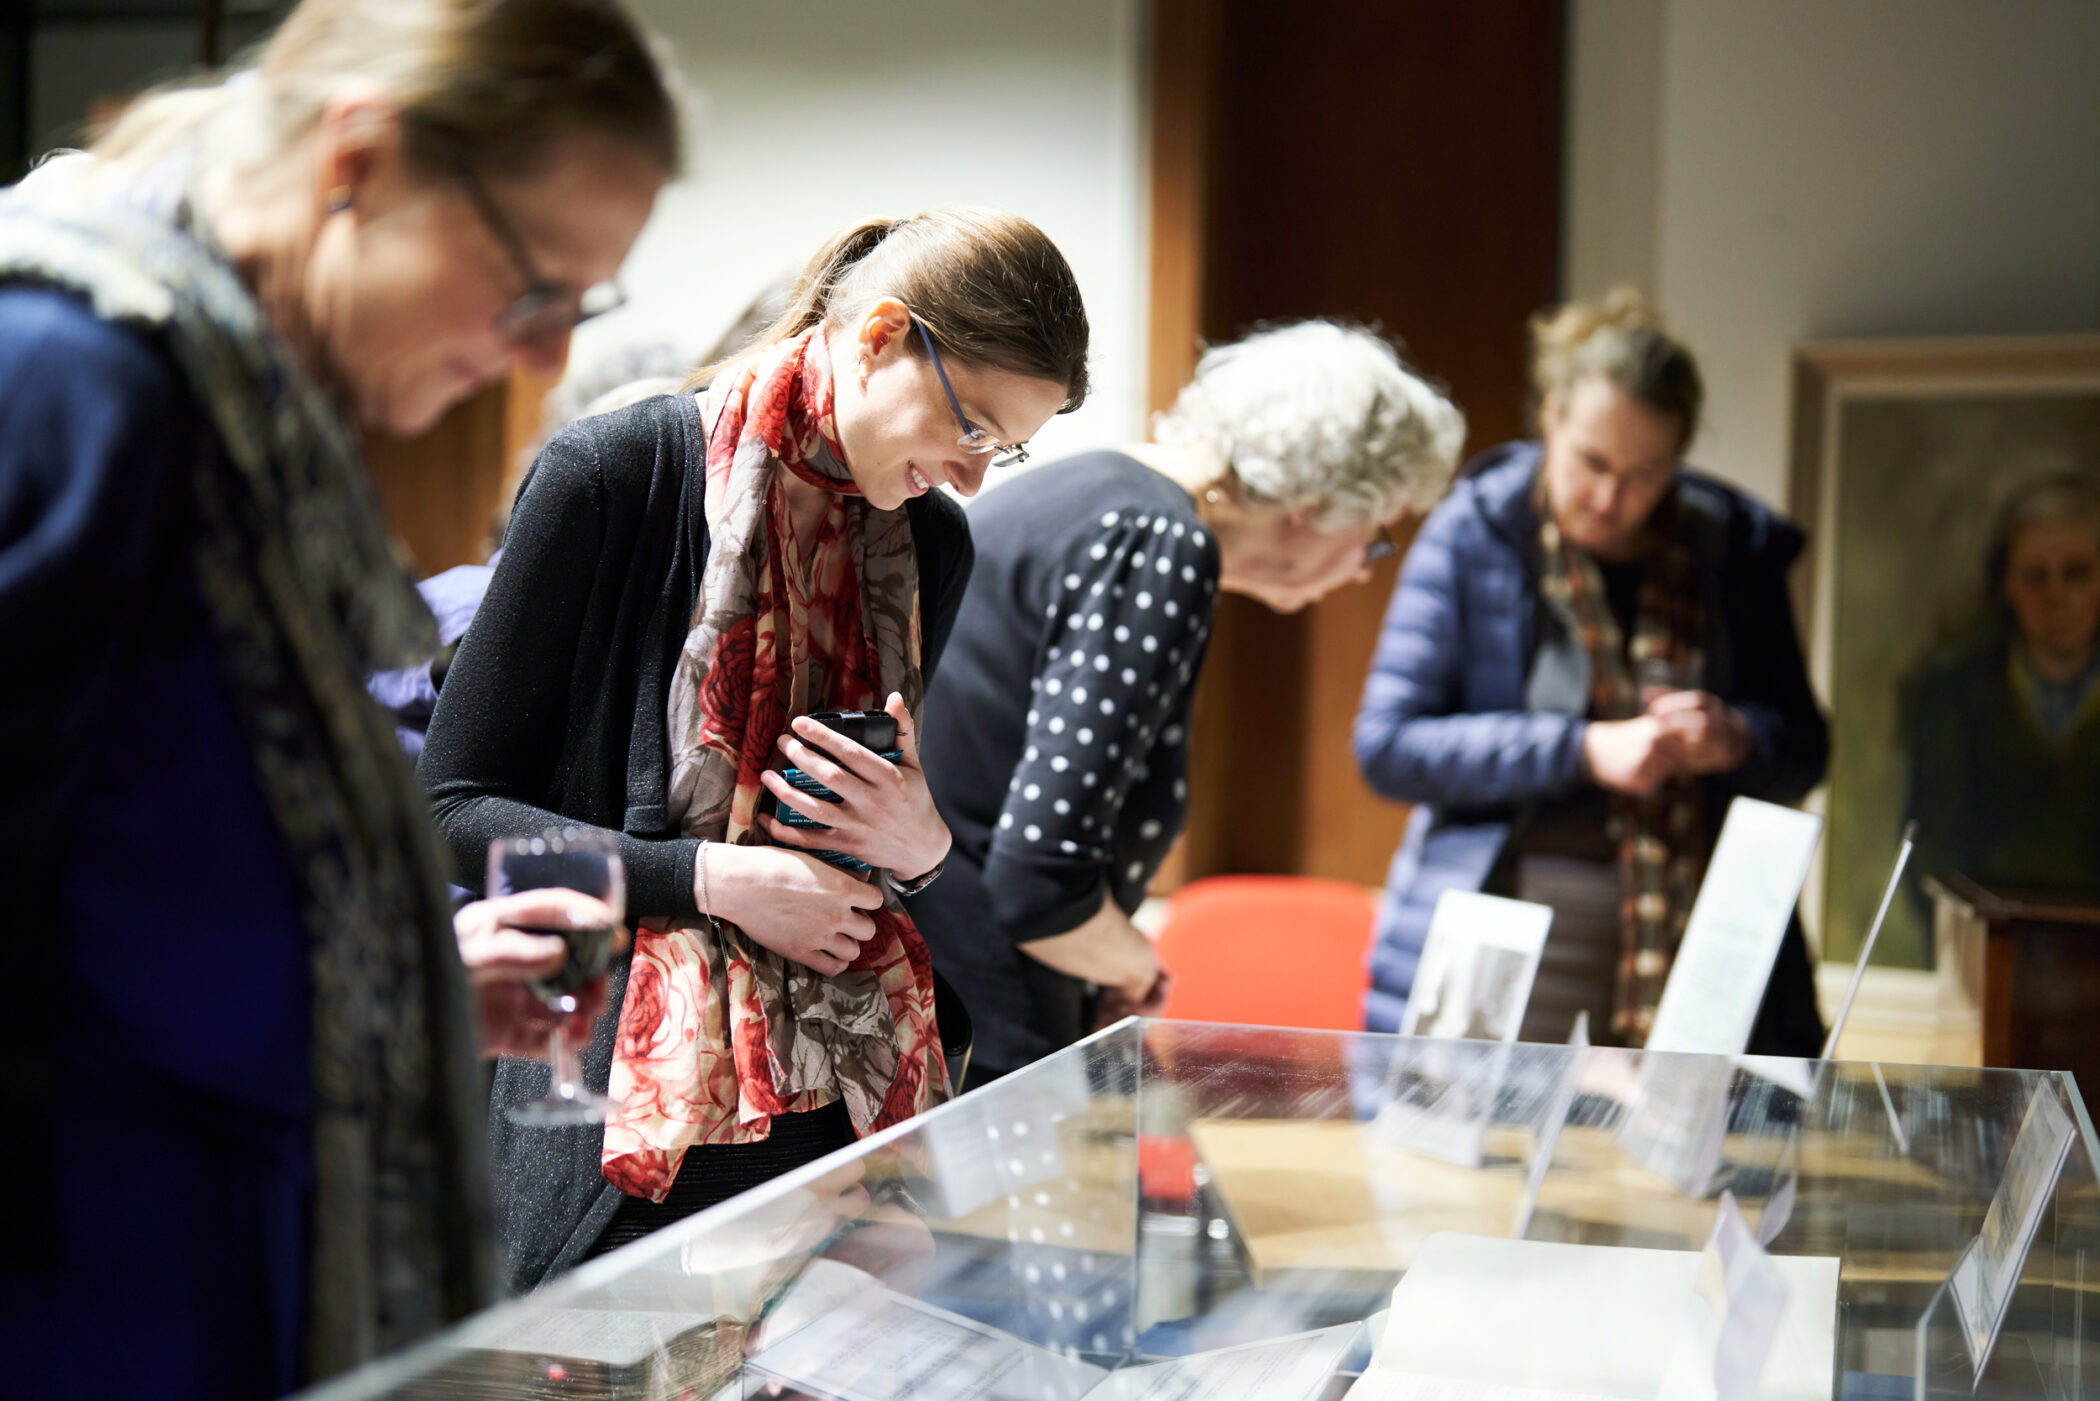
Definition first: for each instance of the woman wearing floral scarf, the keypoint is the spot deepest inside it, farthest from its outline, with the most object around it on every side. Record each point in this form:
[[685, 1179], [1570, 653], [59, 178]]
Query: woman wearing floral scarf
[[683, 583]]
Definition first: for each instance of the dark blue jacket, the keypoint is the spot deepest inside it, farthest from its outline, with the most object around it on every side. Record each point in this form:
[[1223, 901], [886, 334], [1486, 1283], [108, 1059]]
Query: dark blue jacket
[[1474, 707]]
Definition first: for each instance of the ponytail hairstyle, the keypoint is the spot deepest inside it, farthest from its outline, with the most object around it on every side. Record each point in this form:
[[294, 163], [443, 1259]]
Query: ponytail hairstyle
[[989, 286], [1622, 340], [492, 83]]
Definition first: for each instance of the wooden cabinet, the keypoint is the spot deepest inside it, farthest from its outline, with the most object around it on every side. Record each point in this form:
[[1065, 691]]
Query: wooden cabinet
[[446, 493], [2034, 959]]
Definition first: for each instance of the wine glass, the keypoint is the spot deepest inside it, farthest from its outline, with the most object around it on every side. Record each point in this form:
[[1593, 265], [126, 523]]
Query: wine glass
[[572, 858]]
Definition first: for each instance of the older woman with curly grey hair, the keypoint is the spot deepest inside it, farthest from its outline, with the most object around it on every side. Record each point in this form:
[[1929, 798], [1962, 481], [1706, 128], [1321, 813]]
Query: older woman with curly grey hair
[[1056, 736]]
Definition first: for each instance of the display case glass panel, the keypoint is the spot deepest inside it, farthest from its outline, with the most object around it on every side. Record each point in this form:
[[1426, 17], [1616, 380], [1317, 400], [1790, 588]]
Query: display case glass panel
[[1180, 1209]]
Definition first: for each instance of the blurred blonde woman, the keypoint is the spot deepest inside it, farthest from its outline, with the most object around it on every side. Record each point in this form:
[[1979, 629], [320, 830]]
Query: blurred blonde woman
[[1590, 652], [243, 1124]]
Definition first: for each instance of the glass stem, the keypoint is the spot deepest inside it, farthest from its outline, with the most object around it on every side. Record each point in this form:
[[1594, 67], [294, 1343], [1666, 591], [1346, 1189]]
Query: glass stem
[[568, 1081]]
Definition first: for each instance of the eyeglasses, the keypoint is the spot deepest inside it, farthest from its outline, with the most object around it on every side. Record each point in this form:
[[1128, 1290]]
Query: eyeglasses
[[1382, 546], [973, 439], [545, 309]]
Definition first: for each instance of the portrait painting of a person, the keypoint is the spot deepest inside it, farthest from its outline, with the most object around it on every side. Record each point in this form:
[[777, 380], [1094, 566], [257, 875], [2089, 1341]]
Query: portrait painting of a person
[[2004, 726]]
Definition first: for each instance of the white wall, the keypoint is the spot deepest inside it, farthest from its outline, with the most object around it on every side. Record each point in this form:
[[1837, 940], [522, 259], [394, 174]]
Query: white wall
[[820, 112], [1793, 169]]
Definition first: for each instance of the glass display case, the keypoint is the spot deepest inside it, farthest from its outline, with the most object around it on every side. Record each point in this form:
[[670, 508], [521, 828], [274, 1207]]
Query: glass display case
[[1177, 1209]]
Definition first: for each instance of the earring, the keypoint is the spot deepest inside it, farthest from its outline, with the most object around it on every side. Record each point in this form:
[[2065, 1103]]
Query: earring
[[338, 199]]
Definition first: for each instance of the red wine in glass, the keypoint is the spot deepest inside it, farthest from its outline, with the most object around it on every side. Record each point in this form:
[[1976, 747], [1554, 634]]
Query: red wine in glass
[[570, 858]]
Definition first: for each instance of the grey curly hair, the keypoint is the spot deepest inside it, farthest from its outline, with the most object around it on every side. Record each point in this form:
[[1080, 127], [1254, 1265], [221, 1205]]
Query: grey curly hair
[[1320, 417]]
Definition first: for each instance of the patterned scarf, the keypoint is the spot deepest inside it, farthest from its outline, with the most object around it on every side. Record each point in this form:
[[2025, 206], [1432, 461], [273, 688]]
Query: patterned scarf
[[306, 593], [718, 1033], [1662, 839]]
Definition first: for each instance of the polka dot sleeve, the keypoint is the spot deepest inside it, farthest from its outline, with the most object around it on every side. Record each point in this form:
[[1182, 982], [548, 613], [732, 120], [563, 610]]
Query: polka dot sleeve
[[1123, 639]]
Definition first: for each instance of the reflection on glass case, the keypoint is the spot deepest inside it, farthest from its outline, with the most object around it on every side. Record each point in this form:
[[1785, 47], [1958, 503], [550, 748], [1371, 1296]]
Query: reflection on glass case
[[1178, 1209]]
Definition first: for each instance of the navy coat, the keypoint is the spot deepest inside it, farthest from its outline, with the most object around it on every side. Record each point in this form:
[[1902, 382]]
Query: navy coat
[[1474, 709]]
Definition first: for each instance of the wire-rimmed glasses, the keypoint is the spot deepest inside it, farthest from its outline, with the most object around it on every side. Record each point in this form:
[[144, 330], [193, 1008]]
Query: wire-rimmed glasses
[[973, 439], [545, 309], [1381, 546]]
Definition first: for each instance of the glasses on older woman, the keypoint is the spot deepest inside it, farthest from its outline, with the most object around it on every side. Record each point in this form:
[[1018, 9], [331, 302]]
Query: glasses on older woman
[[545, 309], [973, 439], [1382, 546]]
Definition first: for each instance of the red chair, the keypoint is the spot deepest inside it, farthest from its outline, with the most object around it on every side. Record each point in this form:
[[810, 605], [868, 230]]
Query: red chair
[[1268, 951]]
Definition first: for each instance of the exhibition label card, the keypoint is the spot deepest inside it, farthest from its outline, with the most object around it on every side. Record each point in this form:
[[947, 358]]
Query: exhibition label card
[[1439, 1098], [1555, 1117], [1412, 1386], [1719, 976], [1732, 1317], [1478, 961], [1677, 1124], [1988, 1270], [1296, 1368], [878, 1345], [1471, 985]]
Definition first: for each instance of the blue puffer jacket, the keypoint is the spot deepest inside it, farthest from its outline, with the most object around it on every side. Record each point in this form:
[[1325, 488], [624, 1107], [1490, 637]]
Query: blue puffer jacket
[[1475, 703]]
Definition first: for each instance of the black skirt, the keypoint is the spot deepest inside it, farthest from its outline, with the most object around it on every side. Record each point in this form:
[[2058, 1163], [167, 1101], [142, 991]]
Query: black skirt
[[711, 1173]]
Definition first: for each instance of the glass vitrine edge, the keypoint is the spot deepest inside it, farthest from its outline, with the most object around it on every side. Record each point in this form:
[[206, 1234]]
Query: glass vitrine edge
[[416, 1360]]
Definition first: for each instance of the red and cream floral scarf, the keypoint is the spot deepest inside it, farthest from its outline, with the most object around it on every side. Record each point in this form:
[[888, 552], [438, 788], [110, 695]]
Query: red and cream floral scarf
[[718, 1033]]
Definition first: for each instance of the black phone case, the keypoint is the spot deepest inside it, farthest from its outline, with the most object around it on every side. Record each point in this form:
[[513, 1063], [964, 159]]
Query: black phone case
[[871, 729]]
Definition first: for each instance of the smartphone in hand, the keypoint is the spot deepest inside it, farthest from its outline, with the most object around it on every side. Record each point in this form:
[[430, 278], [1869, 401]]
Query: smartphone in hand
[[871, 729]]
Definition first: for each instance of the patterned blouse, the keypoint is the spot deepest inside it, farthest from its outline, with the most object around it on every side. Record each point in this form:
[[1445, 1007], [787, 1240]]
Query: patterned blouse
[[1056, 737]]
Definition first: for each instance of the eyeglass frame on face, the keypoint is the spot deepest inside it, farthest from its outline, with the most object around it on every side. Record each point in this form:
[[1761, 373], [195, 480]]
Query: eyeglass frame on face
[[543, 300], [1381, 546], [973, 439]]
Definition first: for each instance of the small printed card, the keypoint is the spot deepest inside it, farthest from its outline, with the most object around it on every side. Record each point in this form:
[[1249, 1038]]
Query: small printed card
[[1984, 1277], [1732, 1318], [1478, 961], [1744, 906]]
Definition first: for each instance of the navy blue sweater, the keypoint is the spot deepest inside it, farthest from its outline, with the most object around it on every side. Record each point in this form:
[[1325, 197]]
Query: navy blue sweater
[[146, 878]]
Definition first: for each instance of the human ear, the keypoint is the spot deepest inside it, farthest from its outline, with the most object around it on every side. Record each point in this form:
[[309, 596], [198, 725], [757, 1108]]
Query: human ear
[[359, 139], [884, 327]]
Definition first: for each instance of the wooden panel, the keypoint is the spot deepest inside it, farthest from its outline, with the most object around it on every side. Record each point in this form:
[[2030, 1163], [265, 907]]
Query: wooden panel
[[440, 490], [1349, 834], [445, 492], [1396, 164], [1997, 997], [1181, 80]]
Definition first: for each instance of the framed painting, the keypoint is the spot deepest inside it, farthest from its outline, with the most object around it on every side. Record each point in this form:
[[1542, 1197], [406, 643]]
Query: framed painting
[[1950, 593]]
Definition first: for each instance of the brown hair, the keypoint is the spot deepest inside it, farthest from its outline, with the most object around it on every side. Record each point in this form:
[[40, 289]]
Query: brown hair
[[1621, 339], [989, 286], [490, 82]]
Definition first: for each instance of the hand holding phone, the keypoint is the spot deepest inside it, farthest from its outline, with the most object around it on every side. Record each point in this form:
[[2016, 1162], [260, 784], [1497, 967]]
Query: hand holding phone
[[874, 808]]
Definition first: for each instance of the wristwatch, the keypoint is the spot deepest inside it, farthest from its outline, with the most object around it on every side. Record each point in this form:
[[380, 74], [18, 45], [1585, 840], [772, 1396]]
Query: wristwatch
[[919, 883]]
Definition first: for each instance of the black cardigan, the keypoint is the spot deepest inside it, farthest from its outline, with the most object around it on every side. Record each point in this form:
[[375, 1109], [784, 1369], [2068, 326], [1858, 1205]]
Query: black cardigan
[[554, 710]]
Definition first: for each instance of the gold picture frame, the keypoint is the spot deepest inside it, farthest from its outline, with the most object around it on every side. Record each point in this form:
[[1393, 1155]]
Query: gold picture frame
[[1902, 453]]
